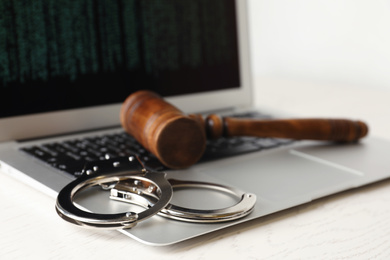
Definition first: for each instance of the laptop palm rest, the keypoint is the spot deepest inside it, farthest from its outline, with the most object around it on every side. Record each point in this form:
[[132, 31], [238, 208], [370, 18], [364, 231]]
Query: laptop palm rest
[[287, 176], [295, 180]]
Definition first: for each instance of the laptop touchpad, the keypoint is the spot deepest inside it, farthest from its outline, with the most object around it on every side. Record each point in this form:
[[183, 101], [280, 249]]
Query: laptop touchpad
[[289, 175]]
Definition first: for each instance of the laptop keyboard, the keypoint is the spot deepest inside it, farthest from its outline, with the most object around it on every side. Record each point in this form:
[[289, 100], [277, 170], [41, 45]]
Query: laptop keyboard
[[71, 155]]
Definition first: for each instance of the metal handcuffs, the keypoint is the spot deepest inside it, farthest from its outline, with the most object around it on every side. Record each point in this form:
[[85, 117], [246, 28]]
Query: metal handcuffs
[[129, 181]]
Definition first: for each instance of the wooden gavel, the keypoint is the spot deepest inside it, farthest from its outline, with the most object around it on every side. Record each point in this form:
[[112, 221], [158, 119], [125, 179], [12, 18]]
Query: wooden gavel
[[179, 140]]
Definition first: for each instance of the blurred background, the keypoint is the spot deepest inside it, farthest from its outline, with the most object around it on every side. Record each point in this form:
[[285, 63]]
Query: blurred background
[[323, 58], [322, 41]]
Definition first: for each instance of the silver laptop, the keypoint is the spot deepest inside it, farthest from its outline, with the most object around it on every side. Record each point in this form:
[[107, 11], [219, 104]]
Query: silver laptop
[[67, 69]]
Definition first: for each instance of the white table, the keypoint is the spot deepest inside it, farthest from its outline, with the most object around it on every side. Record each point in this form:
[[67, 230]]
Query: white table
[[354, 224]]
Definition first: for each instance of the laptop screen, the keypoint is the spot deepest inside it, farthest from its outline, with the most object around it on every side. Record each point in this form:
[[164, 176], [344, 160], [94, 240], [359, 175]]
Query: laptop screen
[[58, 55]]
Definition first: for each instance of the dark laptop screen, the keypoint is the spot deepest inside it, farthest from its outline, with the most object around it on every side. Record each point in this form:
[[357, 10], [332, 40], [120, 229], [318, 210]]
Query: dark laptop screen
[[57, 55]]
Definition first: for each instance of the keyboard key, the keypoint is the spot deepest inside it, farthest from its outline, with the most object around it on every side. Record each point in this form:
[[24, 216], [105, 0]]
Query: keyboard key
[[266, 143], [222, 151]]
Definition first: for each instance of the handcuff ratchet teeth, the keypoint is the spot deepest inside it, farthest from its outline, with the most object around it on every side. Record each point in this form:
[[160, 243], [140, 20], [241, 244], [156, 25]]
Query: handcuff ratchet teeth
[[129, 181]]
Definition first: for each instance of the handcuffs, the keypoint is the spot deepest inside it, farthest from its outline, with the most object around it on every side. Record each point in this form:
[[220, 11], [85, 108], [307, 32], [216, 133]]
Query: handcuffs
[[129, 181]]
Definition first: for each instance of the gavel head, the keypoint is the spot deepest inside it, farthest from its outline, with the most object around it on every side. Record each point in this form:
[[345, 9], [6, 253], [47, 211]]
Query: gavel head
[[177, 140]]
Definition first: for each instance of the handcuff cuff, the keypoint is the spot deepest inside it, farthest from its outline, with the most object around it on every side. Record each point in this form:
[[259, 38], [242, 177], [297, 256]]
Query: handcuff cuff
[[129, 181]]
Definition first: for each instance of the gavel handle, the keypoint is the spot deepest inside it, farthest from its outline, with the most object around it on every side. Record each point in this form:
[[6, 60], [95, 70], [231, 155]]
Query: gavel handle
[[340, 130]]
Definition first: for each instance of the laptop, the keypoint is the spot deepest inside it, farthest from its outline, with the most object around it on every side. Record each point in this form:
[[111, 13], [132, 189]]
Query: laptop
[[67, 68]]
